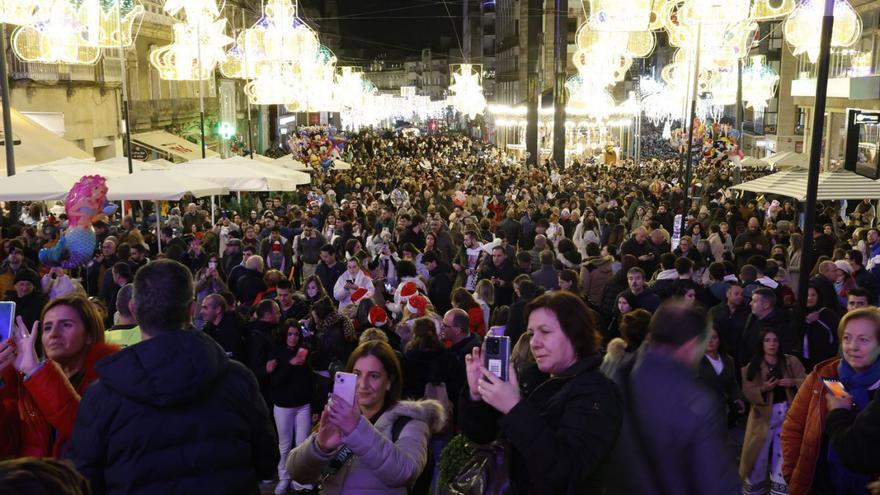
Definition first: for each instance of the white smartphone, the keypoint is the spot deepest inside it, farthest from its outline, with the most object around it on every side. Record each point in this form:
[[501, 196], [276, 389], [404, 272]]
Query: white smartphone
[[345, 385], [7, 319]]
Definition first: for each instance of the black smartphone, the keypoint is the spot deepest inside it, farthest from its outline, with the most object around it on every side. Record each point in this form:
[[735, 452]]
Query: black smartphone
[[496, 356]]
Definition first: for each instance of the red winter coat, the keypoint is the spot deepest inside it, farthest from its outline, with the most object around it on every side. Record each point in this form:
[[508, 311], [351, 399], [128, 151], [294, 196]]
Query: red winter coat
[[32, 409]]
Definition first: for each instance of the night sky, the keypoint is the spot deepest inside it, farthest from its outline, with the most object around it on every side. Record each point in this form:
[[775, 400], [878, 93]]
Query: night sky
[[397, 27]]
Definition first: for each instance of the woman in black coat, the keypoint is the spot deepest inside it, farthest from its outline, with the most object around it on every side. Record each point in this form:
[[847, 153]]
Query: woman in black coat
[[292, 389], [559, 437]]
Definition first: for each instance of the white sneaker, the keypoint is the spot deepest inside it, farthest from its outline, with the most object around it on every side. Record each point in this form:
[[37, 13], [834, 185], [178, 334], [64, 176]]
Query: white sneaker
[[281, 487]]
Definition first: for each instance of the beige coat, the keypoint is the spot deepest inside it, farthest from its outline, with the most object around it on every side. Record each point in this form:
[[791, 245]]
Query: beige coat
[[758, 424]]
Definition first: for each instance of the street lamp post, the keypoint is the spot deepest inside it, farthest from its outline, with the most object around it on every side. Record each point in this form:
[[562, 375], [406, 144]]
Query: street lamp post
[[8, 139], [815, 152]]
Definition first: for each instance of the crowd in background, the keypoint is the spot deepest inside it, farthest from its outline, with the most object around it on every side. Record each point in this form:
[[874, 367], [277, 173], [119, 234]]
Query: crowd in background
[[602, 277]]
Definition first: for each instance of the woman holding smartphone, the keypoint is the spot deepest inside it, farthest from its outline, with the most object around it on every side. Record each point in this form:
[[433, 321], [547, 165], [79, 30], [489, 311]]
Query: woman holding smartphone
[[292, 388], [44, 371], [561, 432], [809, 463], [379, 444], [770, 382]]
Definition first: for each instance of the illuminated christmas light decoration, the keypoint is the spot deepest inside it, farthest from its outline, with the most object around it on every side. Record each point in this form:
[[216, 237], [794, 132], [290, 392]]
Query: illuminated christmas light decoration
[[617, 15], [194, 53], [759, 83], [803, 27], [19, 12], [101, 25], [197, 11], [54, 38], [764, 10], [467, 93]]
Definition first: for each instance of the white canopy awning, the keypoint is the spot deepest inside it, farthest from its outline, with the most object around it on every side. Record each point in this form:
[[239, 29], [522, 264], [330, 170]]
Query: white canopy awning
[[256, 168], [787, 159], [171, 145], [841, 184], [288, 161], [341, 165], [33, 184], [751, 161], [159, 184], [34, 144], [235, 177]]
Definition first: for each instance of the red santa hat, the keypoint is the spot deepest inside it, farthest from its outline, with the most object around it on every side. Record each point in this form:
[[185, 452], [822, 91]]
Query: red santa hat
[[408, 290], [417, 304], [358, 294], [377, 317]]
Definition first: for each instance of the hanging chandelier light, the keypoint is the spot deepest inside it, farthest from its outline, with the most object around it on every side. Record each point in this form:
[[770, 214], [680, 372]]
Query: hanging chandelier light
[[19, 12], [804, 25], [194, 53], [617, 15], [759, 83], [467, 93], [765, 10], [108, 23], [54, 38]]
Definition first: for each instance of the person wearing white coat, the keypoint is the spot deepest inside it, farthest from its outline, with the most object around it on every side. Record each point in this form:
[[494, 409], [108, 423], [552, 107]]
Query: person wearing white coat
[[353, 279]]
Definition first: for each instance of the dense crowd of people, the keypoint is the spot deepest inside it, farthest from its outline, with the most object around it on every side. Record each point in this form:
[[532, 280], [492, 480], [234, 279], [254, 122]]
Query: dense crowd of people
[[657, 344]]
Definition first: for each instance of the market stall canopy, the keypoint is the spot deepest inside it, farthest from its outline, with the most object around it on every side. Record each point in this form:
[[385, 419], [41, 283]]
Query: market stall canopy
[[262, 158], [259, 168], [234, 176], [787, 159], [159, 184], [341, 165], [171, 145], [751, 161], [841, 184], [77, 168], [34, 144], [119, 165], [33, 184], [288, 161]]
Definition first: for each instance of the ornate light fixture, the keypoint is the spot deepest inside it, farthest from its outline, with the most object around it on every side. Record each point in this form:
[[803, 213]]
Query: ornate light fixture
[[803, 27], [759, 83], [102, 25], [19, 12], [764, 10], [54, 38], [197, 11], [617, 15], [467, 93], [193, 54]]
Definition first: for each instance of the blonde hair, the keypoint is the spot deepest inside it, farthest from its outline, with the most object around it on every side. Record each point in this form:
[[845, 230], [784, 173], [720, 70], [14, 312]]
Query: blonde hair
[[373, 335], [485, 291], [521, 354], [871, 314]]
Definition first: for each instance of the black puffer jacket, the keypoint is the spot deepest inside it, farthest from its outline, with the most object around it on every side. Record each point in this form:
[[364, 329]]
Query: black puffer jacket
[[561, 434], [174, 415]]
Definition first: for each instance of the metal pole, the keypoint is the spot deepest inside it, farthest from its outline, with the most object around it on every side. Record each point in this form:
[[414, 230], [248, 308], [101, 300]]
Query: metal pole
[[125, 116], [8, 138], [201, 87], [250, 132], [535, 15], [815, 154], [158, 227], [693, 116], [560, 49]]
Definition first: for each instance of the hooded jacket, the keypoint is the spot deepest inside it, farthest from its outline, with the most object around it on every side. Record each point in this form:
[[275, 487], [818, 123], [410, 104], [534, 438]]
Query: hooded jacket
[[595, 273], [173, 414], [378, 465]]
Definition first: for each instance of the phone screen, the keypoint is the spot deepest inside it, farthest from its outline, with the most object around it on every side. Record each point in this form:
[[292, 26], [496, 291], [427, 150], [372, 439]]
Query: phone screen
[[835, 387], [302, 353], [212, 264], [7, 315]]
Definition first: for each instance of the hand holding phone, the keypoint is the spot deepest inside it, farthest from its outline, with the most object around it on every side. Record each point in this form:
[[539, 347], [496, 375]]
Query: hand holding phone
[[345, 386], [496, 356], [300, 357], [835, 388]]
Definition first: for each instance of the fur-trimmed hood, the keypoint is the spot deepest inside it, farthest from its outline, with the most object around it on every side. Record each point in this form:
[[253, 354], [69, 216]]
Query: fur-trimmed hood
[[427, 410]]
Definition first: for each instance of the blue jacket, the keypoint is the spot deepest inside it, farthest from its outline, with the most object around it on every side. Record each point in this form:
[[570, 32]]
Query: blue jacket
[[170, 415]]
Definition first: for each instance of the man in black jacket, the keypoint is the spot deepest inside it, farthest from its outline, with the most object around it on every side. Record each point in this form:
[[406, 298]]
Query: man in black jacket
[[172, 414], [439, 283], [224, 326], [262, 338], [501, 272]]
